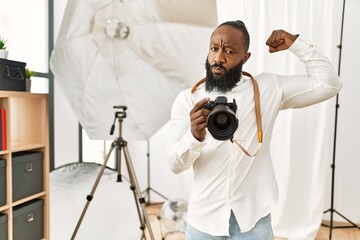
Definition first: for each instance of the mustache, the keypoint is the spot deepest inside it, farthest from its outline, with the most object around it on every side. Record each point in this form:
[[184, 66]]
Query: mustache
[[218, 65]]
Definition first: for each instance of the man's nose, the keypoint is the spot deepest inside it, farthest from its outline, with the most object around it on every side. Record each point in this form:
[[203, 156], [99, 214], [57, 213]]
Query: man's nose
[[219, 57]]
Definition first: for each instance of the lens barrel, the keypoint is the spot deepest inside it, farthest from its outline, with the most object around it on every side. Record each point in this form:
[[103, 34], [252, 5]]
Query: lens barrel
[[222, 122]]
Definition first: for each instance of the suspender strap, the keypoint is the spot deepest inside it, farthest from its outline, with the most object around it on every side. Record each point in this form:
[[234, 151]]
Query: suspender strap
[[257, 106], [197, 85]]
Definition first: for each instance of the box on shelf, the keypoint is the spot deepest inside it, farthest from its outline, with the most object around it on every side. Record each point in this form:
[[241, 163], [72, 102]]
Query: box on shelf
[[12, 75], [28, 220], [2, 182], [3, 227], [27, 174]]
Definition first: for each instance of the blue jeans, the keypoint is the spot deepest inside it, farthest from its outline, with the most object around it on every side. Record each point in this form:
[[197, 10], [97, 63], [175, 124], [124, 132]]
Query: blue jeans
[[261, 231]]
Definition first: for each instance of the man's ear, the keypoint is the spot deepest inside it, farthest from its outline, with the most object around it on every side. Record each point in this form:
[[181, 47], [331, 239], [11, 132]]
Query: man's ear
[[247, 56]]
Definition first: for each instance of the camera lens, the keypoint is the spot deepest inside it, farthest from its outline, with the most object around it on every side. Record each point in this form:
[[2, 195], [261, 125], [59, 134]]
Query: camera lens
[[222, 122]]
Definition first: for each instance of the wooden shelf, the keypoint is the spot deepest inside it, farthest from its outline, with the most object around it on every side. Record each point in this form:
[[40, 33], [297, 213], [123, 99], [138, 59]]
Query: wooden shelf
[[27, 130]]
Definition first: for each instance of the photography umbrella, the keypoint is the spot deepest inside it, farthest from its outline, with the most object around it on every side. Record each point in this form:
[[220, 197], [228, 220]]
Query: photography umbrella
[[135, 53]]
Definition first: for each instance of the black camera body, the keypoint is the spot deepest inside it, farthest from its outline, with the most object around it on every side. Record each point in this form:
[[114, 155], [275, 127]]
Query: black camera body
[[220, 100], [222, 121]]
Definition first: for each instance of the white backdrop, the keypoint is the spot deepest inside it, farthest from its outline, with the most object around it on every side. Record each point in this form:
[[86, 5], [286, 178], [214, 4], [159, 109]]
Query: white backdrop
[[302, 144], [302, 140]]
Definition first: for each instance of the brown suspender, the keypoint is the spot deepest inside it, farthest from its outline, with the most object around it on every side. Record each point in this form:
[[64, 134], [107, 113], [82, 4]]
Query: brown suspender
[[197, 85]]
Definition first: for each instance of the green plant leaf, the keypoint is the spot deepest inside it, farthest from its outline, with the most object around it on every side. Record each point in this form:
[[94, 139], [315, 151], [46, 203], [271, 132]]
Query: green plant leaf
[[28, 73], [2, 43]]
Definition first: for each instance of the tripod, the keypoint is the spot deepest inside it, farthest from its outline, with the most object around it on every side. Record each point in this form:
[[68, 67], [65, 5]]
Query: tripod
[[331, 209], [121, 145]]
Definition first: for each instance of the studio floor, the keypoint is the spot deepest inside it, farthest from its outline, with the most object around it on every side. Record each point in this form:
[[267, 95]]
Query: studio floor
[[112, 212], [323, 234]]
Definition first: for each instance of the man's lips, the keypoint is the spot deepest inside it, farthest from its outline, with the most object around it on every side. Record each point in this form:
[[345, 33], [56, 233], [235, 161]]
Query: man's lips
[[218, 70]]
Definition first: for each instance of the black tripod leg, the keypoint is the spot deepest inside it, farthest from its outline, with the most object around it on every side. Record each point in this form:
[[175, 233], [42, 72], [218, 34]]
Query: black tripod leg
[[353, 225], [90, 196], [137, 192]]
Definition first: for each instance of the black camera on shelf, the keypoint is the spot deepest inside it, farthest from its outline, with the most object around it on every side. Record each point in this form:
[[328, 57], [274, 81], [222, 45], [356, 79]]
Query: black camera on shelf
[[222, 121]]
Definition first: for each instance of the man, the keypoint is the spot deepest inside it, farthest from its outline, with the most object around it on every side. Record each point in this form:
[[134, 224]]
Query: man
[[234, 185]]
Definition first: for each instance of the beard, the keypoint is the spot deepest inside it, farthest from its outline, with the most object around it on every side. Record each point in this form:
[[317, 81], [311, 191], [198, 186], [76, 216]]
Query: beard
[[225, 82]]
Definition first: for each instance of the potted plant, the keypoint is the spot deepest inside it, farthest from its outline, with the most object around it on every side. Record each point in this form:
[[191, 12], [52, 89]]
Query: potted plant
[[28, 75], [3, 52]]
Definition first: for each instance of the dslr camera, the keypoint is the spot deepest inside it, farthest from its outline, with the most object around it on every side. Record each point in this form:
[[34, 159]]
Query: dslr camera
[[222, 122]]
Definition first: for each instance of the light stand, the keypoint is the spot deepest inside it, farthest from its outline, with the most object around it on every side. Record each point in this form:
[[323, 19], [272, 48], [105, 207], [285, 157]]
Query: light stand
[[331, 209], [121, 145], [149, 188]]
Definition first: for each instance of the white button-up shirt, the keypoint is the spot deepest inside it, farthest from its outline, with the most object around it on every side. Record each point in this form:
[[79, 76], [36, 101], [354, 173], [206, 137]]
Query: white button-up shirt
[[225, 178]]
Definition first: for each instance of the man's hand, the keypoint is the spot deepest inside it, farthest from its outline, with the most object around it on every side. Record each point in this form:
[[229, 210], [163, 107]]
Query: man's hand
[[280, 40], [198, 118]]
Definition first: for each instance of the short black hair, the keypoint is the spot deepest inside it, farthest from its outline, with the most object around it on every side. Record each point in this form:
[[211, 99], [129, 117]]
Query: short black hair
[[241, 26]]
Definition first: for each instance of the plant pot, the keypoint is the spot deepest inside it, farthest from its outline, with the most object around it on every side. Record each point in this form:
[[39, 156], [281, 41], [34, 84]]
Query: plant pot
[[4, 53], [28, 84]]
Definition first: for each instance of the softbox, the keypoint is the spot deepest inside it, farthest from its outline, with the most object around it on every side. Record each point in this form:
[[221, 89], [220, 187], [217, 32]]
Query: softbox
[[138, 53]]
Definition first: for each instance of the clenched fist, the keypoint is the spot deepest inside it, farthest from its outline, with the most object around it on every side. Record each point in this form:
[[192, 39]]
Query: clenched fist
[[280, 40]]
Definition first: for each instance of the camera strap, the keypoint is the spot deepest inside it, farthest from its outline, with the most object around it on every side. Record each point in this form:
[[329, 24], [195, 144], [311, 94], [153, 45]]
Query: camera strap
[[257, 112]]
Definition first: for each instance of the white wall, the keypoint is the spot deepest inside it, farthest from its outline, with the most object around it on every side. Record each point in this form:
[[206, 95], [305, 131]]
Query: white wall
[[65, 123]]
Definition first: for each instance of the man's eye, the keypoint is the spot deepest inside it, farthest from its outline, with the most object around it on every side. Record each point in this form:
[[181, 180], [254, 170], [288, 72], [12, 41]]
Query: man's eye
[[229, 51]]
